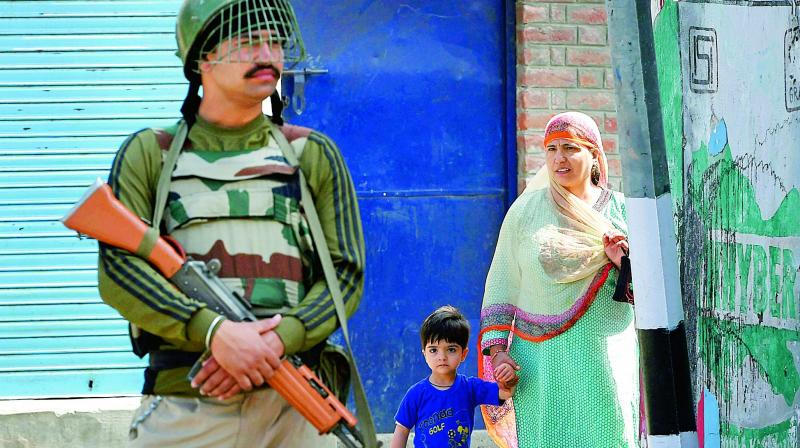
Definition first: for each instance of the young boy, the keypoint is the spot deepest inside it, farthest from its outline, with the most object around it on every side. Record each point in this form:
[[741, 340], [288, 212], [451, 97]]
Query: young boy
[[441, 407]]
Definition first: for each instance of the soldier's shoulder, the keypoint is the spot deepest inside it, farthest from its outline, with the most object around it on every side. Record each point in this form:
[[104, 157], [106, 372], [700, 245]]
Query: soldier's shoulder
[[153, 137], [294, 132]]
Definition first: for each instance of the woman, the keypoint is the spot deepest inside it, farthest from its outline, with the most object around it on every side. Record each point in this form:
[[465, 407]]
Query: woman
[[548, 304]]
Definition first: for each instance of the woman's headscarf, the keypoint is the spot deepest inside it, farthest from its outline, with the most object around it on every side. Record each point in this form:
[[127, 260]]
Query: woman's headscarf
[[574, 250], [581, 129]]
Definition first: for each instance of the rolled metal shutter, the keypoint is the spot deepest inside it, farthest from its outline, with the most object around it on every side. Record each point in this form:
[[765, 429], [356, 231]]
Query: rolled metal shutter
[[76, 77]]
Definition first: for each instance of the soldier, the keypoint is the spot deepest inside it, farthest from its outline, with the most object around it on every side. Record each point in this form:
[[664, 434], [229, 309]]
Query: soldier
[[233, 195]]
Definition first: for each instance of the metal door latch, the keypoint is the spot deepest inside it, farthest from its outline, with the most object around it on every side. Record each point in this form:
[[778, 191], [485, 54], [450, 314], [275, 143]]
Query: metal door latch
[[298, 100]]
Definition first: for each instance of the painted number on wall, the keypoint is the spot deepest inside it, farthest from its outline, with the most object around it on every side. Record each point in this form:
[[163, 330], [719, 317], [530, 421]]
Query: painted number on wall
[[703, 59], [791, 68]]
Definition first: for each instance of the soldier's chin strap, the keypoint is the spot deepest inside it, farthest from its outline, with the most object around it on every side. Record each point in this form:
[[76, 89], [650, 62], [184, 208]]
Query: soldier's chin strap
[[277, 108], [192, 103]]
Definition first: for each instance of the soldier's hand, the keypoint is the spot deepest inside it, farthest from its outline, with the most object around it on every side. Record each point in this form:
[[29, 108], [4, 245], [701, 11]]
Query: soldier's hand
[[274, 341], [240, 349], [214, 381]]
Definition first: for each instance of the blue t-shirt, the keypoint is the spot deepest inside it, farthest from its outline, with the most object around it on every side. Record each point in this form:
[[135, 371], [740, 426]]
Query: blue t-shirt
[[444, 418]]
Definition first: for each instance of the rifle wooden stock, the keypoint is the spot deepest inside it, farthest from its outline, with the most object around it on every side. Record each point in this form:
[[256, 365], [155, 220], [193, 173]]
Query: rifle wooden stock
[[295, 382], [100, 215]]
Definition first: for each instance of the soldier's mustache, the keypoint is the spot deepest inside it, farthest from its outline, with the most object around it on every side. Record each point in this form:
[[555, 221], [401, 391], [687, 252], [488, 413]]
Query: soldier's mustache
[[252, 72]]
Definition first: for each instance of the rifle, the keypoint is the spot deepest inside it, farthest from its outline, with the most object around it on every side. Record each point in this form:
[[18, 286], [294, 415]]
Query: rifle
[[100, 215]]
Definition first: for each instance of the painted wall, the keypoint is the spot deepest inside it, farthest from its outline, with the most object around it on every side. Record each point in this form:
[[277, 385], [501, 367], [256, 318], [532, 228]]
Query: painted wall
[[730, 96]]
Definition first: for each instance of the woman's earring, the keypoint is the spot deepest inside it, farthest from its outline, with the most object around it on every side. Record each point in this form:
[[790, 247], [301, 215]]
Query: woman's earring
[[596, 172]]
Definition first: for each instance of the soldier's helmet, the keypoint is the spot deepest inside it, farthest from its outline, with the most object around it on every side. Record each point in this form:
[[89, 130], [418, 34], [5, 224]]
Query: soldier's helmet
[[203, 24]]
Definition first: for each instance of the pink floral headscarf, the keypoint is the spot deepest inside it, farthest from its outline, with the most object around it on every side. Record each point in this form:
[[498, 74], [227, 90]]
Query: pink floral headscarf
[[581, 129]]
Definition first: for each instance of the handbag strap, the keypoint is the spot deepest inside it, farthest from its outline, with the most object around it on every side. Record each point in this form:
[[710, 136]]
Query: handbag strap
[[362, 406]]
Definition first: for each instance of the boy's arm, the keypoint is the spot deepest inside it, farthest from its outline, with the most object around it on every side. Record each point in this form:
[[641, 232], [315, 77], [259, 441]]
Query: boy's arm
[[400, 436], [505, 394]]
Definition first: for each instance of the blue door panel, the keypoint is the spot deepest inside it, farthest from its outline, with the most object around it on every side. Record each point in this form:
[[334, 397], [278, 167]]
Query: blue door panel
[[415, 97], [418, 88], [422, 253]]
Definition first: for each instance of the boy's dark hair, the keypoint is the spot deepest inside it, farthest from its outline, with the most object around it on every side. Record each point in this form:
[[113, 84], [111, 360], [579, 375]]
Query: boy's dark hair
[[445, 324]]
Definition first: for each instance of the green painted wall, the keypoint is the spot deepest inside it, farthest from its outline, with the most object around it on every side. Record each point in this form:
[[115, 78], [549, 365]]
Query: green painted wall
[[732, 140]]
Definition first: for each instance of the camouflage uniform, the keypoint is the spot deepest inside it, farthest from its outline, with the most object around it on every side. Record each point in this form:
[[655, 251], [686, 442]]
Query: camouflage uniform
[[235, 198]]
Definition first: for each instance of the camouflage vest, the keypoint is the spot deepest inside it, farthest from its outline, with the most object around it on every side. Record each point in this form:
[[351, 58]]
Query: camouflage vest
[[243, 208]]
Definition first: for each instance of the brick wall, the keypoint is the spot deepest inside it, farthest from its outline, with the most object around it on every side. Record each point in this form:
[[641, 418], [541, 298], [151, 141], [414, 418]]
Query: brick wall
[[563, 63]]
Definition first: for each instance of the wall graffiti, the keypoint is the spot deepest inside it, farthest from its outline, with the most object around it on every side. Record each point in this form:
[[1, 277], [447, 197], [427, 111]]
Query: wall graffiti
[[791, 65], [732, 122], [703, 59]]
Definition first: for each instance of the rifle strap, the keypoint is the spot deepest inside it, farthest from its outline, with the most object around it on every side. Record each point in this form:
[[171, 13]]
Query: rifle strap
[[162, 189], [362, 406]]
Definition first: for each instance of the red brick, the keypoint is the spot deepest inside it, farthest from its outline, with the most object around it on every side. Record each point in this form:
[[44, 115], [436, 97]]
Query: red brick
[[592, 35], [535, 56], [534, 161], [609, 79], [592, 100], [588, 77], [550, 77], [610, 123], [585, 14], [531, 14], [558, 13], [529, 142], [534, 99], [533, 120], [550, 34], [558, 99], [610, 144], [557, 56], [614, 168], [588, 56]]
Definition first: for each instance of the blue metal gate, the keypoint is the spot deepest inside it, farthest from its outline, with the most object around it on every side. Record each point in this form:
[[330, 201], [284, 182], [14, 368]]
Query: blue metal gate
[[419, 96]]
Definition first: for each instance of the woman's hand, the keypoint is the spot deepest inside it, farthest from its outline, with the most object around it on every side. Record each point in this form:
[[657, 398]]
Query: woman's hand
[[505, 370], [615, 244]]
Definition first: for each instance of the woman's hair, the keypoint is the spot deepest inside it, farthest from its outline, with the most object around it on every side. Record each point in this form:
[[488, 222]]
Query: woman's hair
[[445, 324]]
